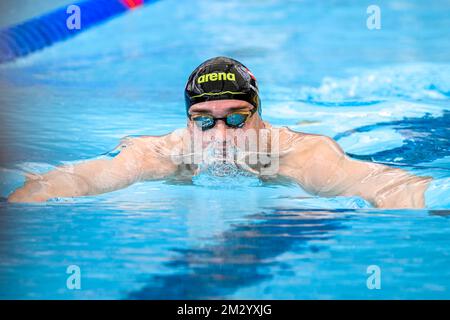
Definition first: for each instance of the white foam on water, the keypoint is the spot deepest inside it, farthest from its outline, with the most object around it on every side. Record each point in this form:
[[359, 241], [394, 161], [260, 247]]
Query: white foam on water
[[413, 81], [218, 169]]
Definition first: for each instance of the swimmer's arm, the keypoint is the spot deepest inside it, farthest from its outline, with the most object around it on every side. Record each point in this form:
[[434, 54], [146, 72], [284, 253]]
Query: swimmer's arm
[[92, 177], [329, 172]]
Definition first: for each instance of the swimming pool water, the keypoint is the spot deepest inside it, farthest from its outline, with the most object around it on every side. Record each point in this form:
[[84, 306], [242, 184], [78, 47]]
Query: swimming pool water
[[383, 95]]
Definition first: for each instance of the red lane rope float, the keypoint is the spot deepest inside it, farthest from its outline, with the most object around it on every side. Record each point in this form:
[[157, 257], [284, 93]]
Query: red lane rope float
[[131, 4]]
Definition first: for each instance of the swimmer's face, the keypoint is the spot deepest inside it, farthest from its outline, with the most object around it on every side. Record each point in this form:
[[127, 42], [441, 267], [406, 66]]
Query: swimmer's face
[[223, 135], [218, 128], [221, 109]]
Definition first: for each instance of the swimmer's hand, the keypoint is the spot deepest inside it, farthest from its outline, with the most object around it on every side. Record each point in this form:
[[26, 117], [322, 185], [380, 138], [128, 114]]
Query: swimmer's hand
[[134, 161], [87, 178]]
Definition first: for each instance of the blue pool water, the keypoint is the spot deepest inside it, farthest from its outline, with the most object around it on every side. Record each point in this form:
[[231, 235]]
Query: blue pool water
[[384, 95]]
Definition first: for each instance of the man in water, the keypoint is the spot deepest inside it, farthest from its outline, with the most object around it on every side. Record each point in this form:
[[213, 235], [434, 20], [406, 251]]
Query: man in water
[[225, 130]]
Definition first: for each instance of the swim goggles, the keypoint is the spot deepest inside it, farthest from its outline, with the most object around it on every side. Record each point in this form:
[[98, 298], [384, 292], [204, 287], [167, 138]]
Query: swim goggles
[[233, 120]]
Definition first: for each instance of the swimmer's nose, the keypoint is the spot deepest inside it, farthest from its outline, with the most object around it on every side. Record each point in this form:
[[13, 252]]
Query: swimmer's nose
[[220, 131]]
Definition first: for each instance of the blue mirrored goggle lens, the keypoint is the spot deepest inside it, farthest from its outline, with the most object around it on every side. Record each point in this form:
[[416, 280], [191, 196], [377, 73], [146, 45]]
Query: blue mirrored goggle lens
[[205, 122], [236, 119]]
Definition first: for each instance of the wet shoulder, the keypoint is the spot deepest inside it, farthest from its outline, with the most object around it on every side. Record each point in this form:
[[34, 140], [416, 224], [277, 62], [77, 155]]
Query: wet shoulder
[[299, 142], [153, 144]]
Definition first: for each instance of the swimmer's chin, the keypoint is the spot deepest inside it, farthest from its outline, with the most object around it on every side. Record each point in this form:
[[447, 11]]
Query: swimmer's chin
[[222, 168]]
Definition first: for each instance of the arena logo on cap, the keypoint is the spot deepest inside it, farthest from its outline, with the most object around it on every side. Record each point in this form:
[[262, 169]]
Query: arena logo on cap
[[216, 76]]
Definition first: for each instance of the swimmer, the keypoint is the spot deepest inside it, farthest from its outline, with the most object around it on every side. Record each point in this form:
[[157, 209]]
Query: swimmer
[[223, 108]]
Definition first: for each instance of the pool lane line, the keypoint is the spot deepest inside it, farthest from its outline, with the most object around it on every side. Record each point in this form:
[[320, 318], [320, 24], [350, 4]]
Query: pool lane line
[[43, 31]]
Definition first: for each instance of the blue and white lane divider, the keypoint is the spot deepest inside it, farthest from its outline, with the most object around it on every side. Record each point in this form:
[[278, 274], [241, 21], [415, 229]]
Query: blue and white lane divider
[[43, 31]]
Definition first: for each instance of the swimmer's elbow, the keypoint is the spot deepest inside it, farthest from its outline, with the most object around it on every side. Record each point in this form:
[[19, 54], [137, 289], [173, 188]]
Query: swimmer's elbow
[[409, 195], [25, 195], [16, 199]]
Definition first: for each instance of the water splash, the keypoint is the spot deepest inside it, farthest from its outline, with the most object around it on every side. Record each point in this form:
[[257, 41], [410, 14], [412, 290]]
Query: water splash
[[221, 168], [412, 81]]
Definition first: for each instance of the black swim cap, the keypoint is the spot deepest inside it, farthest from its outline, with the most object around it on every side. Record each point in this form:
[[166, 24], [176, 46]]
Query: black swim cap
[[221, 78]]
